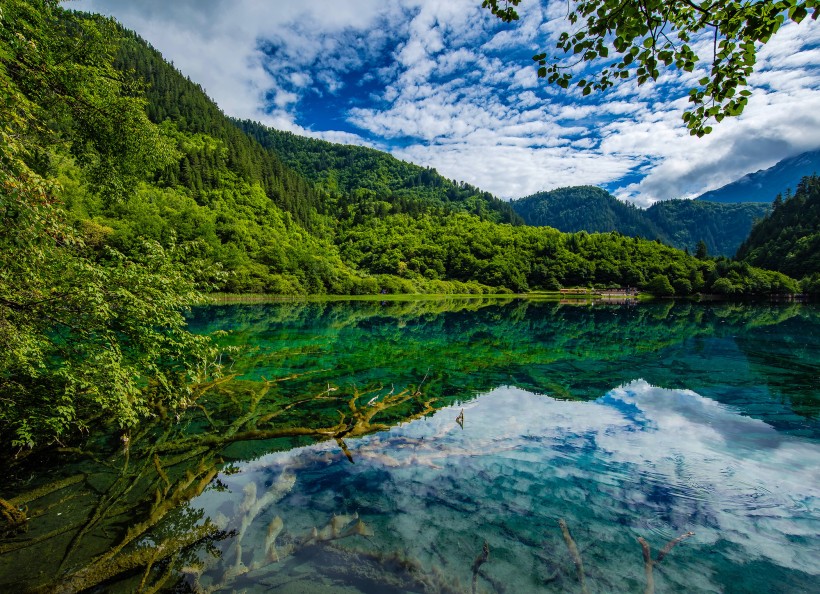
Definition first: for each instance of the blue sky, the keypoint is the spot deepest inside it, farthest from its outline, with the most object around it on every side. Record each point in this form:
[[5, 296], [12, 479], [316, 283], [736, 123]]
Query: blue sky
[[444, 84]]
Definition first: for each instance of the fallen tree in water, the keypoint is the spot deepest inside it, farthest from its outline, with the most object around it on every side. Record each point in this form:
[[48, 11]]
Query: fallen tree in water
[[152, 474], [126, 519]]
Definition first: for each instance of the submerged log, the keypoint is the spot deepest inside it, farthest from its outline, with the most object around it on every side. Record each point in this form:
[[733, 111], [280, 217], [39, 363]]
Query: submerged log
[[573, 552], [482, 558], [274, 528], [150, 474], [109, 568], [341, 443], [40, 492], [14, 518], [647, 566], [671, 544]]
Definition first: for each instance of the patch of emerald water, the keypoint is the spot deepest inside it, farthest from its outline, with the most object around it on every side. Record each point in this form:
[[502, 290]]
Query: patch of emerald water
[[745, 353], [649, 421]]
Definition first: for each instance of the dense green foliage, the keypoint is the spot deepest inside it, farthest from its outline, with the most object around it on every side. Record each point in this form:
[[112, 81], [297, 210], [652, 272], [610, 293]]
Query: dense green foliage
[[464, 248], [85, 331], [211, 147], [679, 223], [247, 212], [646, 36], [788, 239], [375, 224]]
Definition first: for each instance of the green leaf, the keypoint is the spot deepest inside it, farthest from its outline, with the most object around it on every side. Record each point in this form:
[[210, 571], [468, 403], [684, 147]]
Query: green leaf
[[797, 14]]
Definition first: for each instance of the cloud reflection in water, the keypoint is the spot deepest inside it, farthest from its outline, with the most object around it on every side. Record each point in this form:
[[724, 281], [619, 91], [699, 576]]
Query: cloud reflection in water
[[639, 461]]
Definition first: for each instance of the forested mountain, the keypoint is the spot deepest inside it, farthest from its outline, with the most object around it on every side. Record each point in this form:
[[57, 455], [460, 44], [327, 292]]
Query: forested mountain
[[175, 99], [300, 174], [788, 239], [584, 208], [262, 210], [722, 227], [360, 182], [763, 185], [679, 223]]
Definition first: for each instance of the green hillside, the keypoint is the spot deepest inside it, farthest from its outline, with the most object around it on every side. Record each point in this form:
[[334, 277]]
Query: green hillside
[[187, 112], [788, 239], [584, 208], [360, 182], [679, 223], [722, 227], [361, 221]]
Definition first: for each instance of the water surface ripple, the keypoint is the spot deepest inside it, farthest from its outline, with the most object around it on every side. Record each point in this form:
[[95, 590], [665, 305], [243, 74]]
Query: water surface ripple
[[696, 432]]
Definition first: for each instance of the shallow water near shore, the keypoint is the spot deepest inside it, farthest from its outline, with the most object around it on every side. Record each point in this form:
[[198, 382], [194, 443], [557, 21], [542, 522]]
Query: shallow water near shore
[[513, 447]]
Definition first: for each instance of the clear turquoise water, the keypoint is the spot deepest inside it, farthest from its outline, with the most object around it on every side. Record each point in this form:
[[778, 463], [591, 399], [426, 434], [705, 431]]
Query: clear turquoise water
[[649, 421], [619, 422]]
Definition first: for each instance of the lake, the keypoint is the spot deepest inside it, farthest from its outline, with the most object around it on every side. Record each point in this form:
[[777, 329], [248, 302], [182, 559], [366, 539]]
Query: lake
[[455, 446]]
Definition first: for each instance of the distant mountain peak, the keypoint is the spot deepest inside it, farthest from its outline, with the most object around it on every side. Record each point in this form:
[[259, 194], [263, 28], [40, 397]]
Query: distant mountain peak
[[763, 185]]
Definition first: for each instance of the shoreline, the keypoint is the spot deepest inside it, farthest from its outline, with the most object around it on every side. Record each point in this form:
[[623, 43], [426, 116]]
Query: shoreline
[[590, 296], [249, 298]]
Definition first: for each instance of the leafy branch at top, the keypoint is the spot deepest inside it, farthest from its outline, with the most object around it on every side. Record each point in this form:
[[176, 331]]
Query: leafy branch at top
[[646, 36]]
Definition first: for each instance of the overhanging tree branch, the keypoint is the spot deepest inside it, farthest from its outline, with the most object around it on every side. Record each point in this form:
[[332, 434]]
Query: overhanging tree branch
[[639, 32]]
